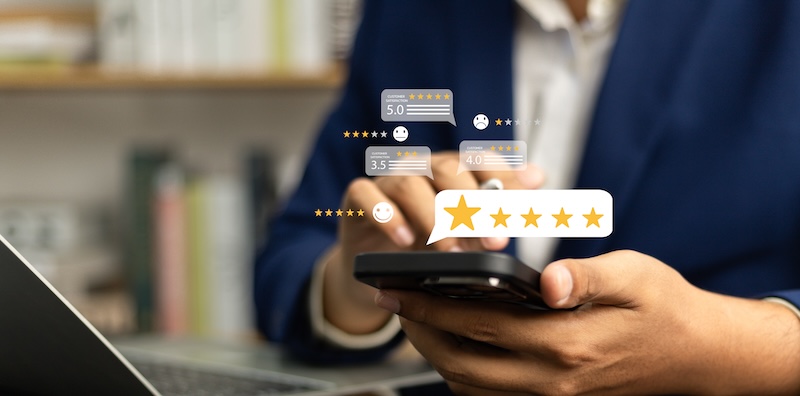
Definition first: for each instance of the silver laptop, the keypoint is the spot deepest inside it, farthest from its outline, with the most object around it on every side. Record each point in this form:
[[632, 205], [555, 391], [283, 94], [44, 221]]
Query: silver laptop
[[48, 348]]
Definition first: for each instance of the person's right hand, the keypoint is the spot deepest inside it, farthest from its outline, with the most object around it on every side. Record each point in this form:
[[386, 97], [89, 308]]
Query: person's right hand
[[347, 303]]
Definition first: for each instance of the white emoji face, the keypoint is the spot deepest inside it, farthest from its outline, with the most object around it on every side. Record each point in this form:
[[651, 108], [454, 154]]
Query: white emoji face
[[481, 121], [400, 134], [382, 212]]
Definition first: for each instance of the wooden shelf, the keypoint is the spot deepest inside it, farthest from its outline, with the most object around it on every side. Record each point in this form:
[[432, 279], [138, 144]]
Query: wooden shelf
[[93, 78]]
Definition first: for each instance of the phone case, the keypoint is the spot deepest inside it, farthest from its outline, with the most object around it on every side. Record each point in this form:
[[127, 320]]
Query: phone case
[[484, 276]]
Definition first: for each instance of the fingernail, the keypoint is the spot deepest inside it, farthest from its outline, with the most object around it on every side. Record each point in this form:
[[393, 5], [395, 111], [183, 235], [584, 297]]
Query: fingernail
[[387, 302], [531, 177], [494, 243], [456, 249], [403, 236], [564, 282]]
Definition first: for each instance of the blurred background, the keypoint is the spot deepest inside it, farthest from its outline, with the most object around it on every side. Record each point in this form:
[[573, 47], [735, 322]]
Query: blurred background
[[144, 142]]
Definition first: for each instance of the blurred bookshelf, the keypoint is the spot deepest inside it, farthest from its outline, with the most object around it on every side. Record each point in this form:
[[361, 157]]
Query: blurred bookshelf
[[175, 44], [146, 141]]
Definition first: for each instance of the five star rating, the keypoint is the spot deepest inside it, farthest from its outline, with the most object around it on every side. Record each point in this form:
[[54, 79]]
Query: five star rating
[[339, 213], [417, 104], [522, 213], [462, 215], [429, 96]]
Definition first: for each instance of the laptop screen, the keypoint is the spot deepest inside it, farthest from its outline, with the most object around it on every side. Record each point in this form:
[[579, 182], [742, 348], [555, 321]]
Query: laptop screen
[[46, 347]]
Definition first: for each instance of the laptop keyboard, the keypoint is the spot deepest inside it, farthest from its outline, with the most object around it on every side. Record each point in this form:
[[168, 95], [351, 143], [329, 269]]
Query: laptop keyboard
[[177, 380]]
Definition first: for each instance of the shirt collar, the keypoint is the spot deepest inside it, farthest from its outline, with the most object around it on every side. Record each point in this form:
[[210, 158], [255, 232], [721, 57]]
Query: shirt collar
[[554, 14]]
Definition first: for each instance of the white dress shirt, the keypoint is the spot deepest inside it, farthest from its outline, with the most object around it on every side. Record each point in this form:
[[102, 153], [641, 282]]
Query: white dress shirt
[[558, 67]]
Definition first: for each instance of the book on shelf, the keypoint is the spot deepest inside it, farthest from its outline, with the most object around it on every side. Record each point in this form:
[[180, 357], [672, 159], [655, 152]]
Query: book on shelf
[[201, 237], [229, 257], [45, 34], [143, 166], [344, 19], [225, 36], [197, 257], [171, 267], [263, 193]]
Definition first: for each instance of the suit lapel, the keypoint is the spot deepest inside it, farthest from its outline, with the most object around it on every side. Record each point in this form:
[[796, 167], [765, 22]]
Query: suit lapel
[[481, 44], [482, 47], [633, 105]]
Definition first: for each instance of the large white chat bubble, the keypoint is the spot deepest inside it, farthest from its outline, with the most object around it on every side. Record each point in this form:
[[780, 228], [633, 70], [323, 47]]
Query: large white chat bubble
[[429, 105], [495, 155], [398, 161], [522, 213]]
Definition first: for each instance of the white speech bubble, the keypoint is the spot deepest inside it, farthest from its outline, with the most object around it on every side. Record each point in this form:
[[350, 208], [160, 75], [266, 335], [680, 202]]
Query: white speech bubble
[[496, 155], [522, 213], [398, 161]]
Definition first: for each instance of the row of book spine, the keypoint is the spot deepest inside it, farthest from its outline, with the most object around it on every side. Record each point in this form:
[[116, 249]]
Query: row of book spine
[[191, 245], [202, 36]]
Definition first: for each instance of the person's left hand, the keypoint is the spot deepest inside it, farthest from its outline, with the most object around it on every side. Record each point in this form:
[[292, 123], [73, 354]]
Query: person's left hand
[[641, 329]]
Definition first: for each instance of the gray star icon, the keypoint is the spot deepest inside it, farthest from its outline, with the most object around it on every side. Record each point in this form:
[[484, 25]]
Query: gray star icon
[[374, 134], [508, 121], [516, 122], [537, 121], [383, 134]]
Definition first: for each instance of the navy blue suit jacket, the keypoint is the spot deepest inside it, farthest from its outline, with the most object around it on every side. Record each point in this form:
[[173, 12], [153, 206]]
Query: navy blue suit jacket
[[696, 134]]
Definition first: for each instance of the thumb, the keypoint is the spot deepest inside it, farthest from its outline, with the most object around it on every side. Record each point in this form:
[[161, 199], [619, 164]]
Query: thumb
[[611, 279]]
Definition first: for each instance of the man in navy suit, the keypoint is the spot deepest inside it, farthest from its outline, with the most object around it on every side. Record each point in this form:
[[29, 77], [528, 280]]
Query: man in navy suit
[[687, 112]]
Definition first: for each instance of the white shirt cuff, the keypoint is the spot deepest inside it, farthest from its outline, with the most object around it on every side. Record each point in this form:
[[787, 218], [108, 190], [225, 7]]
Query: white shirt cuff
[[325, 330], [786, 304]]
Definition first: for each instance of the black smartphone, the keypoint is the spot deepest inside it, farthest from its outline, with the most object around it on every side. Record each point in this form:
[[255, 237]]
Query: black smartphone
[[485, 276]]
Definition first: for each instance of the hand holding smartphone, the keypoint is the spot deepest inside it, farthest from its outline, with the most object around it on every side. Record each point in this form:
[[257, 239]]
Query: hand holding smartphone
[[484, 276]]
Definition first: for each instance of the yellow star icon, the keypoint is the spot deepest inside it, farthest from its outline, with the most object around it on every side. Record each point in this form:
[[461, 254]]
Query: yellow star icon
[[399, 154], [491, 148], [360, 213], [349, 212], [500, 148], [407, 153], [446, 96], [411, 96], [318, 213], [516, 148], [438, 96], [531, 218], [592, 218], [562, 218], [328, 213], [420, 96], [462, 214], [347, 134], [339, 213], [430, 96], [500, 218], [498, 122], [508, 148], [364, 134], [414, 154]]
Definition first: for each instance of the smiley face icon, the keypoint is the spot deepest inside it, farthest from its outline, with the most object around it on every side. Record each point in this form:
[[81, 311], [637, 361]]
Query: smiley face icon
[[481, 121], [382, 212], [400, 134]]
